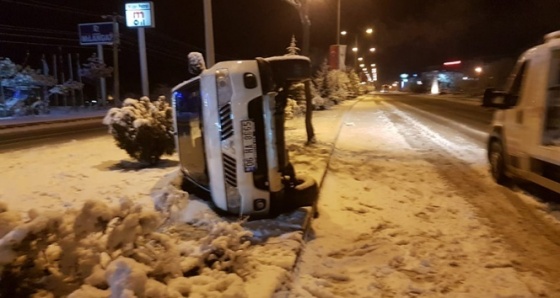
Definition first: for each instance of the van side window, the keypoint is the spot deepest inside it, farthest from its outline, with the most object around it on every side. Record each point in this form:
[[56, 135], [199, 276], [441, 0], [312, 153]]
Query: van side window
[[552, 116], [515, 89]]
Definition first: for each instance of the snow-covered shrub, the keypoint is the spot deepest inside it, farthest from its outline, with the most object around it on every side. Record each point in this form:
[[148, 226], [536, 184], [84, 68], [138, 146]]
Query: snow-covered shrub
[[320, 103], [293, 109], [144, 129]]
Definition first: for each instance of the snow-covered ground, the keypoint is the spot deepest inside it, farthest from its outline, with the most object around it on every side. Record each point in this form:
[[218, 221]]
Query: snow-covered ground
[[395, 220]]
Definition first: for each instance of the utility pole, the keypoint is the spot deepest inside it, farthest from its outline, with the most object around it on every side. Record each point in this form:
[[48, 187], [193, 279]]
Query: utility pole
[[102, 79], [209, 34], [304, 15], [338, 24], [115, 18]]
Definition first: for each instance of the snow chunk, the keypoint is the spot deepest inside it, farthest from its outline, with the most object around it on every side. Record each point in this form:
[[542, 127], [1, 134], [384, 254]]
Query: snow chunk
[[126, 274]]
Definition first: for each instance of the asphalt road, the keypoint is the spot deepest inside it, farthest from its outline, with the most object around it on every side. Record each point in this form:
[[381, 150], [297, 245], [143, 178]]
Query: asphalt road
[[465, 116], [26, 136]]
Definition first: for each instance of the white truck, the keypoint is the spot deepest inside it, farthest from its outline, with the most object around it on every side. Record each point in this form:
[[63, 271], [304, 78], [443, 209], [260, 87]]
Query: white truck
[[524, 141], [229, 125]]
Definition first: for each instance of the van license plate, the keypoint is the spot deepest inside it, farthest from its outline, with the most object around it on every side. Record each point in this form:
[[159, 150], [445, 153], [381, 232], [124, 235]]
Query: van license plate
[[249, 145]]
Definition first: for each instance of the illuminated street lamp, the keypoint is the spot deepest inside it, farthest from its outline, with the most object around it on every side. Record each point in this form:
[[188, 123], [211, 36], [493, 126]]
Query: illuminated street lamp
[[343, 33], [369, 31], [362, 65], [354, 49], [372, 65], [478, 69], [372, 50], [360, 59]]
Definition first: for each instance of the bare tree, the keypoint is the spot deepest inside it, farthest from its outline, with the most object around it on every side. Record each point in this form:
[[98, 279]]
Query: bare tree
[[303, 10]]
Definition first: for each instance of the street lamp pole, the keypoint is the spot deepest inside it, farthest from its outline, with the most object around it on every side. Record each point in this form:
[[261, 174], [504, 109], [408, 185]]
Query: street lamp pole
[[209, 33], [116, 42], [338, 24]]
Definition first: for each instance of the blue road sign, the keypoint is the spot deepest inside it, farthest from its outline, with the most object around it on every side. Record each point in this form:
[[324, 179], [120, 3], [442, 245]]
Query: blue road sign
[[96, 33]]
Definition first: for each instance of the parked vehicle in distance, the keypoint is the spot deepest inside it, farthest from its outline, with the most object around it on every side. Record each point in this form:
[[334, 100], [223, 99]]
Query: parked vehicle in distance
[[524, 141]]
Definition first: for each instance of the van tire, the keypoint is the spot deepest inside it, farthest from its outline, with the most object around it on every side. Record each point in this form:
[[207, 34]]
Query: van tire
[[497, 162]]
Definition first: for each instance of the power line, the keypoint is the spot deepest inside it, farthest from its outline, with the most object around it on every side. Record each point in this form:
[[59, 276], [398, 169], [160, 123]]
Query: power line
[[32, 29], [59, 9], [41, 44], [38, 37]]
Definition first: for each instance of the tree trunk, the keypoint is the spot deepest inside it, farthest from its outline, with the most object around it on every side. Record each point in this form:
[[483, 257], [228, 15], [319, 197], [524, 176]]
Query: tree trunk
[[309, 113]]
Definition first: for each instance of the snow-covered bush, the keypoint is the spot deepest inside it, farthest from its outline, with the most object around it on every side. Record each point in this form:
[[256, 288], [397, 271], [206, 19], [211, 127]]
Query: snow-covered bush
[[338, 83], [144, 129], [293, 109], [296, 101], [121, 251]]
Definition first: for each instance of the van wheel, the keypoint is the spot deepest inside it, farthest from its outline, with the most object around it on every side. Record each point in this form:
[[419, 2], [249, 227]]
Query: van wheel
[[497, 164]]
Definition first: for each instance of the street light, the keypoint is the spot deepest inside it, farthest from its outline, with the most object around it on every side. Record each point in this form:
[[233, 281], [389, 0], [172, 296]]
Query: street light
[[372, 50], [362, 65], [354, 49], [360, 59], [369, 31], [478, 69], [343, 33]]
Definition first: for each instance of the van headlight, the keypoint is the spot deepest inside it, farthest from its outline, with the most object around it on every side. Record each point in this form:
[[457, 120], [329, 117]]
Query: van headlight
[[224, 89]]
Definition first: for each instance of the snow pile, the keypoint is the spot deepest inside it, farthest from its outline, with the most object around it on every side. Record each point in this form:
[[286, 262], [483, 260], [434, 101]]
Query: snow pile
[[123, 251]]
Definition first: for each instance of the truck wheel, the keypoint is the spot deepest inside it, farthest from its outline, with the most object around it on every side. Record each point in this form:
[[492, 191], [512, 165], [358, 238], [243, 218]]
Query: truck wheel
[[497, 164]]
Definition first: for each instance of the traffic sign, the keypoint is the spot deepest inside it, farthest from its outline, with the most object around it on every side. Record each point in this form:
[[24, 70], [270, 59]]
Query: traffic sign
[[96, 33], [140, 15]]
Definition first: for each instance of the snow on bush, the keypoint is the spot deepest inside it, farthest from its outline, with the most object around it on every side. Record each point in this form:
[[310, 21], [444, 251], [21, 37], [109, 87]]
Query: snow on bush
[[144, 129], [119, 251], [293, 109]]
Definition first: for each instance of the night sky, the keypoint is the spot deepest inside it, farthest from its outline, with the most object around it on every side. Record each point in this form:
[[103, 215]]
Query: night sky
[[410, 36]]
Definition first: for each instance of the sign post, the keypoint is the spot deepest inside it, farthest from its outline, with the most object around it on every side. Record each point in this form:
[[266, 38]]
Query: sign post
[[98, 34], [141, 15]]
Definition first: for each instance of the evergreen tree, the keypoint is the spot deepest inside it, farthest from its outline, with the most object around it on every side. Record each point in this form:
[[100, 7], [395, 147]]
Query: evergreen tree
[[354, 85], [94, 70], [293, 49], [321, 80], [338, 85], [7, 70]]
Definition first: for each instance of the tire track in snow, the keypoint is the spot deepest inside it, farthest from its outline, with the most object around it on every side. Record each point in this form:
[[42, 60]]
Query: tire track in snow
[[387, 230], [534, 241]]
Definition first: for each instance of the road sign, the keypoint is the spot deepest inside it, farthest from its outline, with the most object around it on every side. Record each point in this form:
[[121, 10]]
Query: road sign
[[140, 15], [96, 33]]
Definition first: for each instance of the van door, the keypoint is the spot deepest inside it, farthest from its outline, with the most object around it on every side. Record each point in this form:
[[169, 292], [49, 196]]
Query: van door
[[551, 127], [515, 126]]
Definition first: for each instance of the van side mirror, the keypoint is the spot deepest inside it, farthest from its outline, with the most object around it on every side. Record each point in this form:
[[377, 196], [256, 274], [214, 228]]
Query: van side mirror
[[493, 98]]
